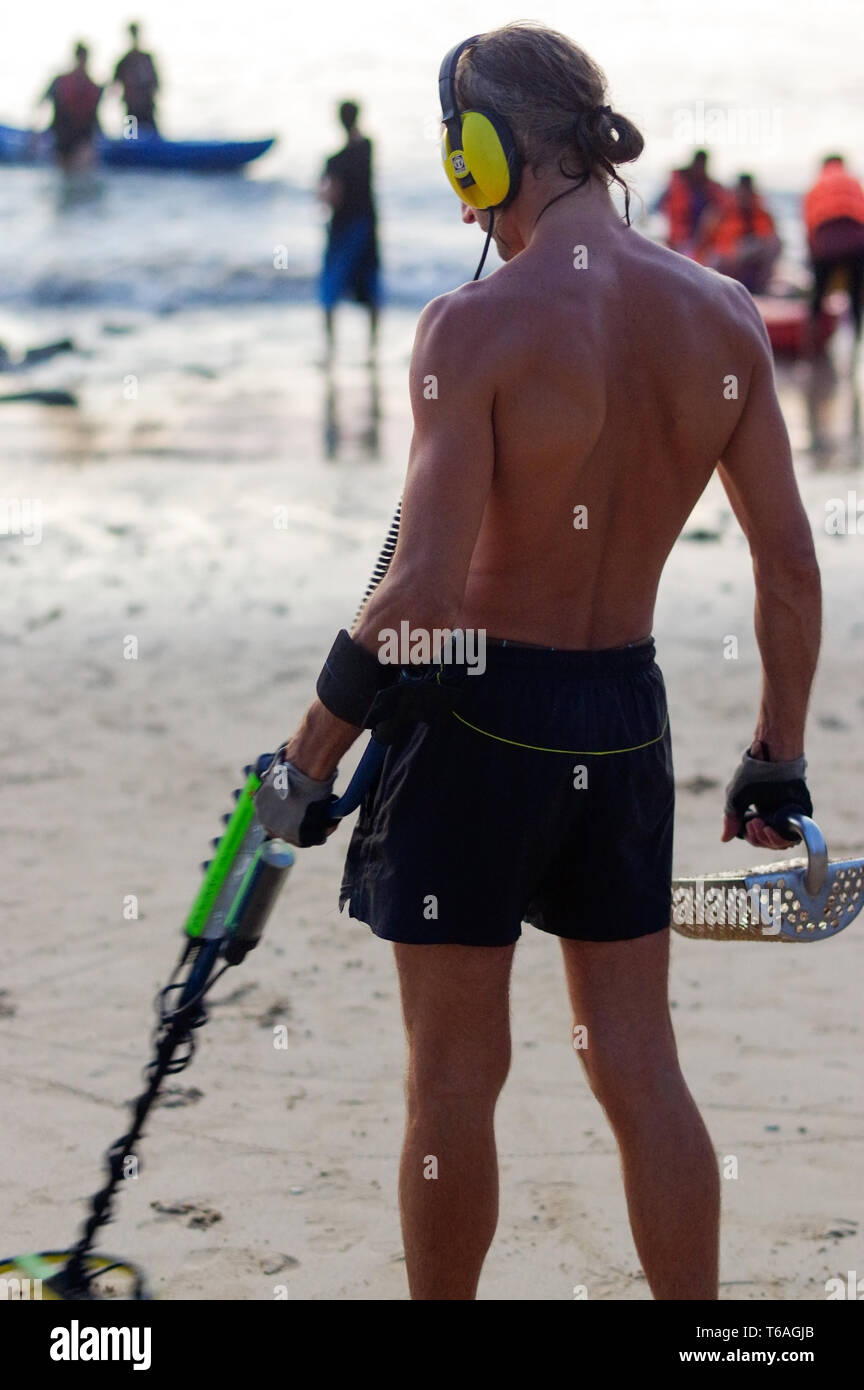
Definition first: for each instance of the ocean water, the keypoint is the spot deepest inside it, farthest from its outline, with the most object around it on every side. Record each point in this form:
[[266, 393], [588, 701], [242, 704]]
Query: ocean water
[[768, 87]]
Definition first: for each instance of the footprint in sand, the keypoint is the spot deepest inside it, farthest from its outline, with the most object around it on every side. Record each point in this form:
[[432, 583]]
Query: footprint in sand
[[200, 1217], [844, 1227], [279, 1012], [236, 996], [697, 784], [274, 1264]]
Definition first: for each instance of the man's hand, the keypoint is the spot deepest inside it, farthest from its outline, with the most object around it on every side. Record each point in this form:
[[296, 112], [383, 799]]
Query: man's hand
[[767, 787], [756, 833], [300, 778], [292, 805]]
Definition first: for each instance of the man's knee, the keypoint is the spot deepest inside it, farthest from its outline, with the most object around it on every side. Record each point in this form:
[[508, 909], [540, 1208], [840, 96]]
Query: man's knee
[[626, 1079], [450, 1075]]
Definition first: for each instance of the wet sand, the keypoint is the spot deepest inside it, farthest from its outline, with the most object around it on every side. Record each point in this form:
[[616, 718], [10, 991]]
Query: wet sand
[[275, 1167]]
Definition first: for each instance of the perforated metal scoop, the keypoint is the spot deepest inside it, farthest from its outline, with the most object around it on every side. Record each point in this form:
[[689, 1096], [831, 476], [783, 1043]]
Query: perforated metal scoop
[[801, 900]]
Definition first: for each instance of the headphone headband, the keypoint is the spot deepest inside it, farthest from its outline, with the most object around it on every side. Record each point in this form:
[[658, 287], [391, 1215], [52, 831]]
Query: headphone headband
[[447, 79]]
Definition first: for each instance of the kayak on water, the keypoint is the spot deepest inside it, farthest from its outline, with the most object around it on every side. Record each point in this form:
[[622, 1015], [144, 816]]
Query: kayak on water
[[148, 151]]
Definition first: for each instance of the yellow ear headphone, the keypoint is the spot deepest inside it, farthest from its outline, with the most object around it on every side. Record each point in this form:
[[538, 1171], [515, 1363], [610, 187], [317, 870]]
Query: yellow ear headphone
[[479, 153]]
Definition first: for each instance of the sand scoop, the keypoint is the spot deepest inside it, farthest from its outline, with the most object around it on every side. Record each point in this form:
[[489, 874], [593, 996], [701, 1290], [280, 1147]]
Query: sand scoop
[[798, 900]]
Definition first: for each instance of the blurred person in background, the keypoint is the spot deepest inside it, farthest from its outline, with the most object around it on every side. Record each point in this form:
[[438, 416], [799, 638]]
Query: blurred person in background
[[741, 239], [136, 74], [691, 197], [351, 261], [834, 218], [75, 124]]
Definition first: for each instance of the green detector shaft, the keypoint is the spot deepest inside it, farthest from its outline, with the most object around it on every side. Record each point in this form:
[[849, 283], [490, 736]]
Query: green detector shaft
[[226, 920], [242, 838]]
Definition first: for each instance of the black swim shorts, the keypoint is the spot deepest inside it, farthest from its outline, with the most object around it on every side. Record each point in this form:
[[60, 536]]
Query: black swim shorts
[[546, 797]]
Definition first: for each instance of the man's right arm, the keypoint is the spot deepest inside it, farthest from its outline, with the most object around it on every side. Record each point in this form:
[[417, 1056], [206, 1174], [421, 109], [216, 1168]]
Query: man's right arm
[[759, 478]]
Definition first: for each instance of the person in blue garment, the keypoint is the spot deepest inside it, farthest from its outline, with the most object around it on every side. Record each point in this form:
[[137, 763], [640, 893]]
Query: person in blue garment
[[351, 267]]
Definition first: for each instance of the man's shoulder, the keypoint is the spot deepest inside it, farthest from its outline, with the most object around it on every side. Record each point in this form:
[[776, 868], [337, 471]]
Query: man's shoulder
[[479, 315], [735, 307], [695, 290], [465, 314], [353, 152], [456, 334], [336, 160]]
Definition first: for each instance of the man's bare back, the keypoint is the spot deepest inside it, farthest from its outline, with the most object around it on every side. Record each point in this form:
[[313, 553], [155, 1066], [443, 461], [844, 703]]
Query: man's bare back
[[566, 420], [613, 393]]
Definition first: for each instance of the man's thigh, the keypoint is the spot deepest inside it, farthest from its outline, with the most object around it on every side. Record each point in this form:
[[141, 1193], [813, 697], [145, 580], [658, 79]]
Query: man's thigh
[[456, 1008], [619, 994]]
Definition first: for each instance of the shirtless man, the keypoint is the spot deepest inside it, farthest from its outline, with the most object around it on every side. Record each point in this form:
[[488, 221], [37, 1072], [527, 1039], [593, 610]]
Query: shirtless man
[[596, 379]]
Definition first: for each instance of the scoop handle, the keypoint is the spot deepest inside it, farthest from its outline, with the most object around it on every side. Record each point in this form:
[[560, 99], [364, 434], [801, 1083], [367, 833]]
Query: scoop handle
[[792, 824], [804, 828]]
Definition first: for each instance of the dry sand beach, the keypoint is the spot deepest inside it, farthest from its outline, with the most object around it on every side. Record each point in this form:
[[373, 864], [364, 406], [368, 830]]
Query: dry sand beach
[[265, 1167]]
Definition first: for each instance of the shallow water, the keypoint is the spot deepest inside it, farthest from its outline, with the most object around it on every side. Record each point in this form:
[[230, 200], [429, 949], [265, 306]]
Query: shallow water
[[768, 89]]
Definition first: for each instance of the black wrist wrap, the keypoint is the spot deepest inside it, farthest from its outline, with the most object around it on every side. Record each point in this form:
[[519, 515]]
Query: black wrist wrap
[[350, 679]]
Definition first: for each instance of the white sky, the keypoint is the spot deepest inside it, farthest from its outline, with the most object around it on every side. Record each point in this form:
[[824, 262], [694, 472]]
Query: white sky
[[270, 66]]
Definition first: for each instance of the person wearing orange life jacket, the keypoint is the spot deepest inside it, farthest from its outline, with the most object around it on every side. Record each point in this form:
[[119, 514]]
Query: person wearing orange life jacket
[[75, 124], [834, 218], [743, 241], [689, 197]]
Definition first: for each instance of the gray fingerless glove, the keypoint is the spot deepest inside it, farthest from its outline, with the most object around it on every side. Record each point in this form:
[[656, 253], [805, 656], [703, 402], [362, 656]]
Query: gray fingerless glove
[[768, 788], [291, 805]]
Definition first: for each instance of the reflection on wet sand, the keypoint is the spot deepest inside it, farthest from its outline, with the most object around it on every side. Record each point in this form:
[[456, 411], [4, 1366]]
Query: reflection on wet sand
[[833, 404], [77, 190], [821, 402], [342, 401]]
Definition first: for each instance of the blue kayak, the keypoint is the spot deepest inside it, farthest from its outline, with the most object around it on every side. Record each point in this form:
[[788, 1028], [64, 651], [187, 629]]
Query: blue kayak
[[146, 152]]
